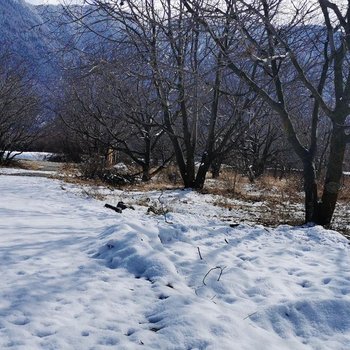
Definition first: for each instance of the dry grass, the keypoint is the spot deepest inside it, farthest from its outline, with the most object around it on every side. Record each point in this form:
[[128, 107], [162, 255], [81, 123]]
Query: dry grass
[[230, 184], [281, 200], [273, 191], [78, 180], [153, 185], [71, 175], [69, 169], [17, 164], [265, 189], [345, 190], [269, 201]]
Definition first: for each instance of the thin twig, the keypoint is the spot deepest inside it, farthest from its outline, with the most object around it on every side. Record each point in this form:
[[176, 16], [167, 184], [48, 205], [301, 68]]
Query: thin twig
[[250, 315], [214, 268], [199, 253], [164, 211], [221, 271]]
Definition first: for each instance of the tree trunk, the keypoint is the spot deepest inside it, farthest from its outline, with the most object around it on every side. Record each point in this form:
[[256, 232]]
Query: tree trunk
[[333, 176], [146, 176], [189, 177], [215, 169], [201, 175], [146, 166], [310, 190]]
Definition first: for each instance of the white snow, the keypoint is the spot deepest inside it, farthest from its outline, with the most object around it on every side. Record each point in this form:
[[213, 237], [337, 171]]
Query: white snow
[[78, 276], [37, 156], [27, 172], [121, 167]]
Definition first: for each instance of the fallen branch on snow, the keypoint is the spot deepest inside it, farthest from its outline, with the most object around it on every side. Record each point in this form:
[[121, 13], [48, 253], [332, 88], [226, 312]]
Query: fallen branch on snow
[[214, 268], [116, 209]]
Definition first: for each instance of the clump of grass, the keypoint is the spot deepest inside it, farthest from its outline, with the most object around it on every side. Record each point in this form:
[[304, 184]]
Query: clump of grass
[[230, 184], [19, 164], [69, 169], [344, 194]]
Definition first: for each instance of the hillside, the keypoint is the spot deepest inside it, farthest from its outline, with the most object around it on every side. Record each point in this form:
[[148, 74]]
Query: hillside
[[24, 34]]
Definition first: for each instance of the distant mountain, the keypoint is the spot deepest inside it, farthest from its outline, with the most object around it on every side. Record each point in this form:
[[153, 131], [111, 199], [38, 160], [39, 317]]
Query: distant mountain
[[46, 38], [43, 37], [24, 34]]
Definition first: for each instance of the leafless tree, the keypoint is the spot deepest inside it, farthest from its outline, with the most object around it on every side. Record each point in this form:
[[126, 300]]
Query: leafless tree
[[19, 108], [112, 107], [260, 146], [187, 73], [302, 45]]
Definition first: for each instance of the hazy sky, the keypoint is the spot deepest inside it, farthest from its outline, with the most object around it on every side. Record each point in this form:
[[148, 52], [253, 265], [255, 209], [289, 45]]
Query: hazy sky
[[37, 2]]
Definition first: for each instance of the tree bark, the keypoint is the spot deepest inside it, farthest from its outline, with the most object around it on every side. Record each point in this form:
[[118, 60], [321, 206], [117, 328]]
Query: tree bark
[[146, 166], [333, 176], [216, 167], [202, 172], [310, 190], [146, 176]]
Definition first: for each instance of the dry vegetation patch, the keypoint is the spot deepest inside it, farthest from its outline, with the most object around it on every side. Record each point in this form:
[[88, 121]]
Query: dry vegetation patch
[[269, 200]]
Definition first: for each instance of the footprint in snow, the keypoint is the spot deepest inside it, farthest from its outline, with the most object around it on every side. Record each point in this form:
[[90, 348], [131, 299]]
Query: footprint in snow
[[154, 322], [246, 257], [163, 297], [130, 332], [44, 333], [326, 280], [305, 284], [109, 341], [20, 321], [230, 300], [293, 271], [345, 291]]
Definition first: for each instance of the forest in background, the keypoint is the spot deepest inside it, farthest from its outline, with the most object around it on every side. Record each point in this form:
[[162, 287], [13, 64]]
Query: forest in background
[[259, 86]]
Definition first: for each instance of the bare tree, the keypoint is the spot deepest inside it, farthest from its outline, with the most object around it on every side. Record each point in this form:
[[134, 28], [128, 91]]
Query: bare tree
[[292, 50], [260, 145], [187, 73], [19, 108], [112, 107]]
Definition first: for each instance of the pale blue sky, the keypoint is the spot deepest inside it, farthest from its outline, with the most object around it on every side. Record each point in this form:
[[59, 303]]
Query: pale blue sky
[[38, 2], [53, 2]]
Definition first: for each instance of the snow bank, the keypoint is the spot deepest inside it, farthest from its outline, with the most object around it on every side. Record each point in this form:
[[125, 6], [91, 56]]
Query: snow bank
[[34, 156], [79, 276], [136, 249], [257, 288], [25, 172], [306, 318]]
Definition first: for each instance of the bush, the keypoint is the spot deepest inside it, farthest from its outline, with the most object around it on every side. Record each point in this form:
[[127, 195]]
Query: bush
[[92, 167], [114, 178]]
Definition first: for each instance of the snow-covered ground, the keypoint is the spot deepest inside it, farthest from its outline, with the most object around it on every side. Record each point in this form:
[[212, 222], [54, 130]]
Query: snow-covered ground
[[75, 275], [25, 172], [34, 156]]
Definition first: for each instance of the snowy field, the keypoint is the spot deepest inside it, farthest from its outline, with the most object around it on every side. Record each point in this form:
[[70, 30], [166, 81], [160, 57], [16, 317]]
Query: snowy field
[[41, 156], [75, 275]]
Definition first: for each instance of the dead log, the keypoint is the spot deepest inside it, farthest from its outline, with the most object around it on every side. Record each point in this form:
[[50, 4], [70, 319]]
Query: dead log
[[116, 209]]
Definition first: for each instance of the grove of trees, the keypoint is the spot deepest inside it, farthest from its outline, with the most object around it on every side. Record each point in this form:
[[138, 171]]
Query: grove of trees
[[250, 83]]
